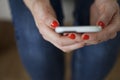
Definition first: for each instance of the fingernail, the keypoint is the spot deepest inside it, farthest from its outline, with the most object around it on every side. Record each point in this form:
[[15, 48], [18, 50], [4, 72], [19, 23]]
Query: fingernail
[[100, 23], [85, 37], [66, 34], [54, 24], [72, 36]]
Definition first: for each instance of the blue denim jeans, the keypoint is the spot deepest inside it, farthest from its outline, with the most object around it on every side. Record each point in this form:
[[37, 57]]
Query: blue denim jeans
[[43, 61]]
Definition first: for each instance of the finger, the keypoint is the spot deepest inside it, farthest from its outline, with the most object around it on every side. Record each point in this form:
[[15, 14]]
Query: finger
[[94, 13], [55, 38], [106, 14], [50, 18], [74, 36], [107, 33], [51, 21], [90, 38], [70, 39], [73, 47], [46, 15], [95, 38]]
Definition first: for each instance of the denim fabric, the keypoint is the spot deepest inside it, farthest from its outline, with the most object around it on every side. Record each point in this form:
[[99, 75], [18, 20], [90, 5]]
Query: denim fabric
[[92, 62], [43, 61]]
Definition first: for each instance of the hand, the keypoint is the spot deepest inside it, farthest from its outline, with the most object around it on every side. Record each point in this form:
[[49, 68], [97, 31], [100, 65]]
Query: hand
[[45, 19], [104, 13]]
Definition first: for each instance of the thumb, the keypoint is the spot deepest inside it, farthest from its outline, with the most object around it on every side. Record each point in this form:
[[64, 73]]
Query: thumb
[[106, 15]]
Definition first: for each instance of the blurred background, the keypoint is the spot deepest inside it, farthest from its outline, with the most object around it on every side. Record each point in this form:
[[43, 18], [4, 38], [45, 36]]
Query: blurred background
[[10, 65]]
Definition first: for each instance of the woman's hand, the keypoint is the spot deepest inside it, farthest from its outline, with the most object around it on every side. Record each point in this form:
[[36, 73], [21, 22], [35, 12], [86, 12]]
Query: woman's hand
[[104, 13], [45, 19]]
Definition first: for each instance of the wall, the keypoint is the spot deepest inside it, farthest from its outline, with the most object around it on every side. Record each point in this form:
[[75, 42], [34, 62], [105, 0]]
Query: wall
[[4, 10]]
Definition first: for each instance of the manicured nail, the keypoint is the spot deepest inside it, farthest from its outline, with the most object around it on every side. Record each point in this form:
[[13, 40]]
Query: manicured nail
[[101, 24], [72, 36], [85, 37], [54, 24]]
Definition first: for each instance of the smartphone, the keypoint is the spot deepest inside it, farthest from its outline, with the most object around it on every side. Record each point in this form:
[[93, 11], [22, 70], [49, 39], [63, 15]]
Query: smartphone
[[78, 29]]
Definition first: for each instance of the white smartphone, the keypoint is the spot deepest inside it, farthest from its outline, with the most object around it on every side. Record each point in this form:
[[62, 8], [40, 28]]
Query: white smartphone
[[78, 29]]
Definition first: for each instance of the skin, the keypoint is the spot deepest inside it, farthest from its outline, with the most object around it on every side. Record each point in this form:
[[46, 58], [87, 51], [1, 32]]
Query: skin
[[106, 11], [44, 15]]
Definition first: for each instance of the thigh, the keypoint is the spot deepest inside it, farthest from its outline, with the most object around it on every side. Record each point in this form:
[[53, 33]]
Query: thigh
[[39, 57], [95, 62], [82, 12]]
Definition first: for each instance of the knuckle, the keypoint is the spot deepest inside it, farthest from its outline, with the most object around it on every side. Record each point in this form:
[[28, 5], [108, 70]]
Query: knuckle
[[95, 38], [61, 44], [66, 50], [82, 45], [106, 36], [107, 17], [109, 35], [113, 35], [44, 18], [96, 42]]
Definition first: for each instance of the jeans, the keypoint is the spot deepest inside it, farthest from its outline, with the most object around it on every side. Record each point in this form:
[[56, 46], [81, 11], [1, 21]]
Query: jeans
[[43, 61]]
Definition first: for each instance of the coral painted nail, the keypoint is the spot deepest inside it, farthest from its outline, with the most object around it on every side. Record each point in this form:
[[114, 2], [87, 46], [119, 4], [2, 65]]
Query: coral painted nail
[[85, 37], [72, 36], [101, 24], [54, 24]]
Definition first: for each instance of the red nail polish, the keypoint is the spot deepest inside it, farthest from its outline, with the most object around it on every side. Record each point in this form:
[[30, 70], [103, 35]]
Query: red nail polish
[[101, 24], [72, 36], [85, 37], [54, 24]]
